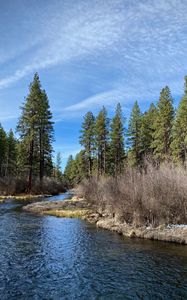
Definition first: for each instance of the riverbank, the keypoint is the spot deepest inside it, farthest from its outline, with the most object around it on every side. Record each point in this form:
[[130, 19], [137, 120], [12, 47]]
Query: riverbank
[[23, 197], [80, 208], [66, 208]]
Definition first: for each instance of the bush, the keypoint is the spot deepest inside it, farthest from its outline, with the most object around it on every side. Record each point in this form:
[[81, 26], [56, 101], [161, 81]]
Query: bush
[[155, 196], [15, 186], [49, 186]]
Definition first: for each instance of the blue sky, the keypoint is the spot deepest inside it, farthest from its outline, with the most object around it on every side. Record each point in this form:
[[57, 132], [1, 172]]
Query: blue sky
[[90, 53]]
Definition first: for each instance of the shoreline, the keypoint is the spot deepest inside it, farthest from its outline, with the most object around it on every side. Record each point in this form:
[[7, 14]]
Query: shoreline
[[78, 207], [23, 197], [161, 233]]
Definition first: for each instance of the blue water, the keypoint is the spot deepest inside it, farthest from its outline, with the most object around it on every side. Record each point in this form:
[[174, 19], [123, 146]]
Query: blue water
[[44, 257]]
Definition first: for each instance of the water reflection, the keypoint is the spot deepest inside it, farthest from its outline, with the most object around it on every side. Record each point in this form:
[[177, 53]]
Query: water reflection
[[53, 258]]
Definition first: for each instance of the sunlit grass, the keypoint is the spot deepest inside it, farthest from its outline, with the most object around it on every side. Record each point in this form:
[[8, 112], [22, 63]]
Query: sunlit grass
[[77, 213], [23, 197]]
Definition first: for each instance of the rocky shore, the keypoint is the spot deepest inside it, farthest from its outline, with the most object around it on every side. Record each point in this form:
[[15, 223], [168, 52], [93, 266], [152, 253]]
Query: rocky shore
[[80, 208]]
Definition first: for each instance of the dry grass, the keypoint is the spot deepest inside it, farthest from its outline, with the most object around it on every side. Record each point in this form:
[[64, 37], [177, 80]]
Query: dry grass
[[24, 197], [67, 213], [157, 196]]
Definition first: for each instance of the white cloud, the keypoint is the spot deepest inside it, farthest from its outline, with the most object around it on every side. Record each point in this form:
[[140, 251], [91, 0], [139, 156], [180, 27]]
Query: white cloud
[[92, 28], [85, 33], [144, 39], [98, 99]]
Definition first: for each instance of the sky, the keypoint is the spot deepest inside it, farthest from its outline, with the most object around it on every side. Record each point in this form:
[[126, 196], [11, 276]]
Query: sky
[[90, 53]]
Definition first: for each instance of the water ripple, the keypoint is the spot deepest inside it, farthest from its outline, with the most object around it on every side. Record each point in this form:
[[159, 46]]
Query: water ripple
[[52, 258]]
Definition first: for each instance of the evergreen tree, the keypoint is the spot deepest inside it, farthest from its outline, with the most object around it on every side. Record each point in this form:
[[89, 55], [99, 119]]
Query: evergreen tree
[[46, 132], [58, 169], [87, 139], [11, 167], [70, 170], [3, 151], [179, 134], [163, 125], [117, 142], [36, 132], [22, 168], [80, 167], [101, 137], [147, 131], [134, 136]]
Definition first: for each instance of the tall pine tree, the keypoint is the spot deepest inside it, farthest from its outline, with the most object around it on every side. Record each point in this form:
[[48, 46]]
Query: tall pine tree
[[36, 132], [134, 136], [87, 139], [11, 164], [3, 151], [58, 168], [163, 125], [147, 132], [117, 142], [179, 143], [46, 132], [70, 171], [102, 137]]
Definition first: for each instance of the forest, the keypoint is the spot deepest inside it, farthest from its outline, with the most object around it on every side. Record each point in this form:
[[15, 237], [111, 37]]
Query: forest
[[157, 136], [138, 170], [26, 164]]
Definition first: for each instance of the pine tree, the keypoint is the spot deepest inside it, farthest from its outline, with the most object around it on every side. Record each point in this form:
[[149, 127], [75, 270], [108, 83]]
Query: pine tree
[[147, 131], [134, 136], [58, 168], [87, 139], [70, 171], [11, 167], [3, 151], [117, 142], [45, 136], [36, 132], [163, 125], [179, 134], [80, 167], [22, 168], [101, 137]]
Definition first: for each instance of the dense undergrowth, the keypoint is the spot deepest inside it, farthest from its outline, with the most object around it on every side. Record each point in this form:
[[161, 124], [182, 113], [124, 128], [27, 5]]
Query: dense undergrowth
[[16, 186], [152, 197]]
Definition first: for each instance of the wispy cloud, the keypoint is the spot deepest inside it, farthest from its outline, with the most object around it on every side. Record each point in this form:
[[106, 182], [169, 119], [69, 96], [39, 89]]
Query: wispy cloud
[[137, 33], [145, 40], [87, 31], [126, 96], [133, 48], [98, 99]]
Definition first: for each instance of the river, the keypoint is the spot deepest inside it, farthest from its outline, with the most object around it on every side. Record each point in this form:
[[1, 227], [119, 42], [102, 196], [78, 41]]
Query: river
[[44, 257]]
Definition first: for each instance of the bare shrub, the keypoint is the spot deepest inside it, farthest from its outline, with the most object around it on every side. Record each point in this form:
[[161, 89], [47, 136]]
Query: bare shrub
[[15, 186], [152, 197], [48, 186], [12, 186]]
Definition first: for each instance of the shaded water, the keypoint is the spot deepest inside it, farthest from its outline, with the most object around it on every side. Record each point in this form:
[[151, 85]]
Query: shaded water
[[43, 257]]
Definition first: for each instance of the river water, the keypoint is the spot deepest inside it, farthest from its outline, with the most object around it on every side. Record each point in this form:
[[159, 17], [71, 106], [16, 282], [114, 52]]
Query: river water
[[44, 257]]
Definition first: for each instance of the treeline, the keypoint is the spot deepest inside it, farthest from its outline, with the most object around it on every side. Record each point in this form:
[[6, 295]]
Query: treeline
[[157, 135], [26, 162]]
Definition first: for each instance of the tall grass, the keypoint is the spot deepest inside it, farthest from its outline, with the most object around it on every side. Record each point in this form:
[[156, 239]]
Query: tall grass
[[152, 197]]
